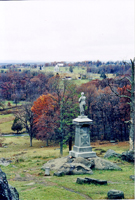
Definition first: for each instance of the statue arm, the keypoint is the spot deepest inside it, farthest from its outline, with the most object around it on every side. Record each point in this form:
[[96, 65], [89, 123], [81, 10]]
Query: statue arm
[[80, 99]]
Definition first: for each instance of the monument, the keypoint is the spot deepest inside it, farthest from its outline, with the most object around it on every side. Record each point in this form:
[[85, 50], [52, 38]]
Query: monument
[[82, 146]]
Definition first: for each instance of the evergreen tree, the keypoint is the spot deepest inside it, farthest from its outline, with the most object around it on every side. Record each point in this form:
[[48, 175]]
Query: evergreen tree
[[17, 125]]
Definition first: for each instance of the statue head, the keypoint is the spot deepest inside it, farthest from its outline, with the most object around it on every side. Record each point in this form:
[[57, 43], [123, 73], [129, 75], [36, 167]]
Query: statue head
[[82, 93]]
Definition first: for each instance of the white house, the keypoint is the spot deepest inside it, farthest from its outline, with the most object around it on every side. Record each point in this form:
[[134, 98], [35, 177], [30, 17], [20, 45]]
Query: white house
[[56, 68]]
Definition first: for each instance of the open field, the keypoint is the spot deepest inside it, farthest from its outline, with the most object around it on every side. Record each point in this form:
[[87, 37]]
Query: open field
[[77, 71], [7, 117], [6, 122], [26, 175]]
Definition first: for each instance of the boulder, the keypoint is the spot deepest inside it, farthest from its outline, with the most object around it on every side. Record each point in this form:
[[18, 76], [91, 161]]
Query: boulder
[[111, 153], [132, 177], [84, 161], [72, 166], [5, 162], [75, 169], [91, 180], [96, 181], [14, 193], [128, 156], [7, 192], [55, 164], [115, 194], [103, 164], [81, 180], [59, 173]]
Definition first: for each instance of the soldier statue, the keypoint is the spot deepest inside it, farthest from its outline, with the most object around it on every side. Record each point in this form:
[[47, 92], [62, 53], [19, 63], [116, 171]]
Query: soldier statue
[[82, 104]]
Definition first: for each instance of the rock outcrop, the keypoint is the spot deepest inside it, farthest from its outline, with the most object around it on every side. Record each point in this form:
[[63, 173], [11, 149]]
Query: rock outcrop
[[111, 153], [68, 166], [75, 166], [7, 192]]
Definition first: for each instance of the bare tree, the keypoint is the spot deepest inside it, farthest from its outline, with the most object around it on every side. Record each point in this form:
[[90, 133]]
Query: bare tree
[[25, 115]]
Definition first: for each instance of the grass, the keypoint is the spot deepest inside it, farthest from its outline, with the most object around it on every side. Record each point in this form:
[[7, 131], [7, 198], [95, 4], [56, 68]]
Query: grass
[[76, 72], [80, 81], [12, 104], [44, 191], [119, 146], [6, 127], [98, 191], [6, 116], [26, 175], [6, 120], [20, 146]]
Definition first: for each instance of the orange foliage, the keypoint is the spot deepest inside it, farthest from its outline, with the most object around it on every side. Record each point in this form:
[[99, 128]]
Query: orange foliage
[[43, 105], [45, 115], [125, 91]]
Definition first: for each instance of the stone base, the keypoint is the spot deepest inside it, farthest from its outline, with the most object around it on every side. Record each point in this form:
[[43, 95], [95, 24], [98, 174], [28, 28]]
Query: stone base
[[82, 149], [83, 154]]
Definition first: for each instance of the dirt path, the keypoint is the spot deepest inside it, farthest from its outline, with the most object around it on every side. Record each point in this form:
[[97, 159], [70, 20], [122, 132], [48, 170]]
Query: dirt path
[[30, 177], [83, 195]]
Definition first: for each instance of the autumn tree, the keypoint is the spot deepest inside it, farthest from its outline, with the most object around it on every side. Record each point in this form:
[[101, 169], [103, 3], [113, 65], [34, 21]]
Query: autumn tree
[[45, 116], [63, 98], [26, 85]]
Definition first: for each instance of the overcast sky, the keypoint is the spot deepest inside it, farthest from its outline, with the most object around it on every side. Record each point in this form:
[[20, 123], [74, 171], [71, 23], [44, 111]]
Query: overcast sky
[[67, 30]]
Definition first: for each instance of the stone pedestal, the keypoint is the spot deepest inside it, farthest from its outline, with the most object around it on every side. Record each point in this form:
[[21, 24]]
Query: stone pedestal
[[82, 146]]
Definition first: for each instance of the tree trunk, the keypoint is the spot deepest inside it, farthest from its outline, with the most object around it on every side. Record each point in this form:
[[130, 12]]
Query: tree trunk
[[61, 147], [132, 110], [131, 137], [61, 129], [47, 142], [70, 143], [30, 141], [132, 128]]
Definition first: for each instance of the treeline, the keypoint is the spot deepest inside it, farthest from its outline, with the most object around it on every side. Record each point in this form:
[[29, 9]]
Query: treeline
[[22, 86], [117, 69], [56, 104]]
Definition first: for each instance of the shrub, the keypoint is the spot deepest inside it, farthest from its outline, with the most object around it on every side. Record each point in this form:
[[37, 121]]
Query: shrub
[[17, 125]]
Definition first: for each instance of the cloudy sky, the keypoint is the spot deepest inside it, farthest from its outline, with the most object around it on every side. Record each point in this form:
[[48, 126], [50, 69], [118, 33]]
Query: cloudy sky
[[67, 30]]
